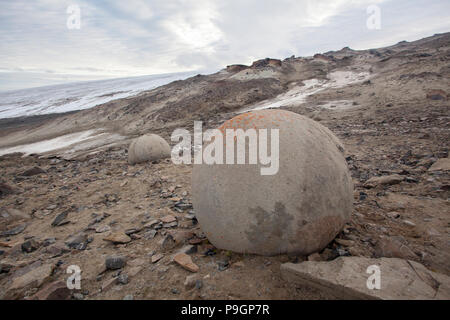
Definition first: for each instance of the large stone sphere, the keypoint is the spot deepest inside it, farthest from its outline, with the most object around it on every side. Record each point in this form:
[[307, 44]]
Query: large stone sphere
[[298, 210], [149, 147]]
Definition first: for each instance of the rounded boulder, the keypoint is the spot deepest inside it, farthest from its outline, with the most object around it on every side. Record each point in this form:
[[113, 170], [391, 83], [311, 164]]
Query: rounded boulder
[[149, 147], [297, 210]]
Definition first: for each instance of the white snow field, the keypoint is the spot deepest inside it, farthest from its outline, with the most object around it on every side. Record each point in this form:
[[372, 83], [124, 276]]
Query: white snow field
[[79, 95]]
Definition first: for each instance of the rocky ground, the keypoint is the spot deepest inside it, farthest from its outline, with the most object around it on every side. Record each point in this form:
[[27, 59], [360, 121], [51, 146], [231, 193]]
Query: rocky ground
[[132, 229]]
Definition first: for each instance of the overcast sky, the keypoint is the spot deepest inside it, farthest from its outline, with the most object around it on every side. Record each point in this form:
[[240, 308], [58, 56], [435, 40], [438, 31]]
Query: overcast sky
[[140, 37]]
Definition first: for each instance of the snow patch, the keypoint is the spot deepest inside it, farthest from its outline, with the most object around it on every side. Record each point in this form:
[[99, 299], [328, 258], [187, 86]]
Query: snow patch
[[76, 141], [298, 94]]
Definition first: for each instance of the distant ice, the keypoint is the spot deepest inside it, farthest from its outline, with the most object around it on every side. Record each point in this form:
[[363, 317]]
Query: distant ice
[[78, 96]]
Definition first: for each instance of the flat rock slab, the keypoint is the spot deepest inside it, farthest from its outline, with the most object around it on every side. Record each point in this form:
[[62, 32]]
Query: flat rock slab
[[441, 165], [383, 180], [347, 277], [6, 189], [118, 238], [168, 219], [14, 231], [54, 291], [34, 278], [157, 257], [61, 219], [10, 215], [185, 261], [33, 171]]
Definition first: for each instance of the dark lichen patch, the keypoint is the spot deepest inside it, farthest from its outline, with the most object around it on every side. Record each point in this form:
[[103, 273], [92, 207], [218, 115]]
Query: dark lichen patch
[[270, 229]]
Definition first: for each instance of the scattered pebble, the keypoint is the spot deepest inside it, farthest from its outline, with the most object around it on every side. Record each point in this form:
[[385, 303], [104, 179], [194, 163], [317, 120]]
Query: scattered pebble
[[123, 279], [115, 262]]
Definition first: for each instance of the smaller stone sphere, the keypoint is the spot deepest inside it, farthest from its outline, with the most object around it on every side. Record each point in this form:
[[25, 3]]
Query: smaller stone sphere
[[149, 147], [298, 210]]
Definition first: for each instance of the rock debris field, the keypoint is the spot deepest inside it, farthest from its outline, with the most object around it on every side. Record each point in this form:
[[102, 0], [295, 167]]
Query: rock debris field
[[132, 229]]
